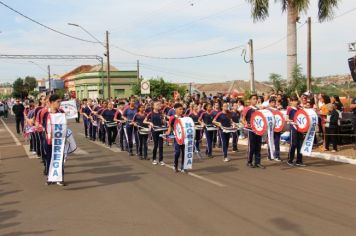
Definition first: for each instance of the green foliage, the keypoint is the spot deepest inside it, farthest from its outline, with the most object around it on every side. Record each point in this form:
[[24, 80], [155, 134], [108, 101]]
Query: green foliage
[[298, 84], [18, 89], [260, 8], [30, 83], [159, 87], [23, 87], [277, 81], [60, 92]]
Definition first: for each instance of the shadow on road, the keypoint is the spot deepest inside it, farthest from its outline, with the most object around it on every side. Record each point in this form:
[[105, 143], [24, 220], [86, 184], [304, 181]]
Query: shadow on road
[[104, 181], [286, 225]]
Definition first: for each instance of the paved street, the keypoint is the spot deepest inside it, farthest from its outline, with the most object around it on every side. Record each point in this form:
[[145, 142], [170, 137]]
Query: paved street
[[109, 193]]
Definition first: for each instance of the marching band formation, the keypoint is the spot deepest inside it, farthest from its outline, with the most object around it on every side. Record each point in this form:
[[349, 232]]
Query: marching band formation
[[131, 124]]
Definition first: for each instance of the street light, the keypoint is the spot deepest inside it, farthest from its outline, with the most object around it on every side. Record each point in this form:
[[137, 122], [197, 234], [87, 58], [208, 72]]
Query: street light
[[106, 46], [47, 71]]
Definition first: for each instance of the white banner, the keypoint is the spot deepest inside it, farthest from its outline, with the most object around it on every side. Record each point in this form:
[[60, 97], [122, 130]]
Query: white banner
[[58, 131], [185, 134], [70, 109], [270, 130], [307, 119], [145, 87]]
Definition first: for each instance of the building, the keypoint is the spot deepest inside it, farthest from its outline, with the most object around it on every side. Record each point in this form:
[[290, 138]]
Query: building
[[91, 82], [5, 89]]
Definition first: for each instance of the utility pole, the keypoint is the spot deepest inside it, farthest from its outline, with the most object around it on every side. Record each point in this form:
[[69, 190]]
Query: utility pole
[[252, 68], [138, 72], [108, 64], [309, 57], [49, 80]]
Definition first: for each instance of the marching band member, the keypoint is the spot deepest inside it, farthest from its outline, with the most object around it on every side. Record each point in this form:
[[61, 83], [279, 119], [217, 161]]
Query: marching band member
[[85, 113], [38, 131], [153, 119], [178, 149], [101, 123], [216, 110], [206, 119], [128, 115], [54, 101], [138, 122], [107, 115], [276, 135], [296, 138], [118, 118], [235, 117], [222, 120], [194, 114], [254, 140]]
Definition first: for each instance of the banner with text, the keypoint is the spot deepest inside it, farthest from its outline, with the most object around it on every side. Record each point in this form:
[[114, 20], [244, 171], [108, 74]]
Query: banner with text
[[58, 131]]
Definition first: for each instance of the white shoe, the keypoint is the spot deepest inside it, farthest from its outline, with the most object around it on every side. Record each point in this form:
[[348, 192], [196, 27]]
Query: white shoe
[[34, 153], [226, 159], [161, 163], [154, 162]]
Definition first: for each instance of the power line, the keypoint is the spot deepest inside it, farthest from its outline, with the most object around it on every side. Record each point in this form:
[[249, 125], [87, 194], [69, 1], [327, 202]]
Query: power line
[[45, 26], [184, 26], [149, 14], [179, 58], [277, 41]]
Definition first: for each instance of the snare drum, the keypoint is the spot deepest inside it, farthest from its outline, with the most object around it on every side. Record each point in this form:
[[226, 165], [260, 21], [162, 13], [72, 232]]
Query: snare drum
[[229, 130], [211, 128], [198, 127], [160, 128], [144, 131], [110, 124]]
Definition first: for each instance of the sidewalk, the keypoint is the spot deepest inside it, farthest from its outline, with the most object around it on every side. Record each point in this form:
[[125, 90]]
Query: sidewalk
[[346, 154]]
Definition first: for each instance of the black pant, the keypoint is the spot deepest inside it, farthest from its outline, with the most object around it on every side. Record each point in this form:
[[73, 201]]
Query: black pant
[[78, 118], [235, 139], [331, 138], [102, 133], [209, 141], [276, 138], [111, 133], [130, 133], [178, 149], [122, 139], [32, 142], [19, 121], [296, 142], [86, 124], [142, 144], [157, 143], [254, 148]]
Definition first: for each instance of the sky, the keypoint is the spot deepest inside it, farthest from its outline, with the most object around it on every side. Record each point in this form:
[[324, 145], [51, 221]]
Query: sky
[[171, 28]]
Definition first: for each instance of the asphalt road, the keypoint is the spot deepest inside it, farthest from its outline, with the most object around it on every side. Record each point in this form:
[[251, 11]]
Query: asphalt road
[[109, 193]]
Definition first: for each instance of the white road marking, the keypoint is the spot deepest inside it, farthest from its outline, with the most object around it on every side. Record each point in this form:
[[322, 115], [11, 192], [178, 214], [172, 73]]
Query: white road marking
[[30, 154], [12, 134], [80, 151], [327, 174], [200, 177], [168, 166]]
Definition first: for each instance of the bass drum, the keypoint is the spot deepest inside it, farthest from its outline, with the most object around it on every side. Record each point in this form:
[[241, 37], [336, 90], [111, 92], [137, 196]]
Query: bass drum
[[281, 124]]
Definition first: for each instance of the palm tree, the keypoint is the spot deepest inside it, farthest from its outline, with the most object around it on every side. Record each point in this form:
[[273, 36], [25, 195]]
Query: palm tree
[[259, 11]]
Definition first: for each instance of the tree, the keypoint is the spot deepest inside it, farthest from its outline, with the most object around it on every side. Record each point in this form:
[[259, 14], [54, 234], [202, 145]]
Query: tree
[[30, 83], [260, 11], [277, 81], [298, 84], [159, 87], [18, 87]]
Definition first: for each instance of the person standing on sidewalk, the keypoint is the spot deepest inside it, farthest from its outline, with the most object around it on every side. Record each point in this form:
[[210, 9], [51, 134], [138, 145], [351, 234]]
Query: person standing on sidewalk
[[18, 109], [331, 128]]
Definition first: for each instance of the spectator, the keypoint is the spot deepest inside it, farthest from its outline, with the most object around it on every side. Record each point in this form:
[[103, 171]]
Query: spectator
[[18, 110], [331, 128]]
